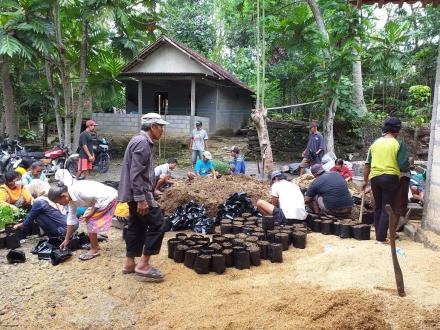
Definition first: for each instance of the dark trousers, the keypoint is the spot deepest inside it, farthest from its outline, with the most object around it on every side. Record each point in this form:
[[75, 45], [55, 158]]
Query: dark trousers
[[385, 188], [51, 228], [144, 232]]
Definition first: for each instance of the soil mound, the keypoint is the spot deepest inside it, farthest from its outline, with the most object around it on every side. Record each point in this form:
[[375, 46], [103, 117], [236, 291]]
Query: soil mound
[[212, 192]]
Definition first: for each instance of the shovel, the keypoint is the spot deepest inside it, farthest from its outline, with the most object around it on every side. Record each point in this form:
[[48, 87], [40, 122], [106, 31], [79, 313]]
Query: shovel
[[397, 271]]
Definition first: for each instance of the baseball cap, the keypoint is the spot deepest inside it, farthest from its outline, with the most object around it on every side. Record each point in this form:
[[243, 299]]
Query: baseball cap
[[235, 149], [313, 124], [153, 118], [275, 174], [207, 154], [317, 169], [91, 123], [198, 123]]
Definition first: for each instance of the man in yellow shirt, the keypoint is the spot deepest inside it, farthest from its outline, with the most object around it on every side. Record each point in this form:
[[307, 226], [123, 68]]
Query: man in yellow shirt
[[386, 159], [12, 191]]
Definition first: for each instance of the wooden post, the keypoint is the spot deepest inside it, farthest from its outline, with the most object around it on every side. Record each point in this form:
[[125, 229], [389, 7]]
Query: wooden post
[[193, 104], [139, 102]]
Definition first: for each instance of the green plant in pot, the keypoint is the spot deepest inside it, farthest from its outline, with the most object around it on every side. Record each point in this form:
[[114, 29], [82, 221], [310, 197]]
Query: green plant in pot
[[6, 215]]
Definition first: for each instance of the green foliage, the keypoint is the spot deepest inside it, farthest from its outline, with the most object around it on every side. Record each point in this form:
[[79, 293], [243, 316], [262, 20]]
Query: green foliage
[[220, 167], [27, 135], [6, 215]]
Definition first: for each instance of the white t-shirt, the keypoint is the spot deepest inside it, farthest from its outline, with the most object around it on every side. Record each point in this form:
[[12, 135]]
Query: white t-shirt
[[162, 169], [290, 198]]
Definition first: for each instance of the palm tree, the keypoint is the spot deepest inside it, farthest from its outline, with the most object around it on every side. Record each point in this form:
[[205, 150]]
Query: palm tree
[[23, 34]]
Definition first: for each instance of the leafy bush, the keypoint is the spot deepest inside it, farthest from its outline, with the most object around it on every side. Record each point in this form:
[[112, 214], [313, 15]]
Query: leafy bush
[[220, 167], [28, 135], [6, 215]]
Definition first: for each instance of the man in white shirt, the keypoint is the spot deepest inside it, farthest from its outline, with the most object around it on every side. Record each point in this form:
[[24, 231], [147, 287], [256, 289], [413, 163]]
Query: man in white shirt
[[163, 174], [287, 200]]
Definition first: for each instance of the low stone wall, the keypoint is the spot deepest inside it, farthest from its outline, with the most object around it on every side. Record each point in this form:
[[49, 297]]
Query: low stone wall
[[289, 138], [113, 123]]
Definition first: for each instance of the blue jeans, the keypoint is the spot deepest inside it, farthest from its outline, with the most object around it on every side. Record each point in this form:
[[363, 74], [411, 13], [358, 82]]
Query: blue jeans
[[194, 155]]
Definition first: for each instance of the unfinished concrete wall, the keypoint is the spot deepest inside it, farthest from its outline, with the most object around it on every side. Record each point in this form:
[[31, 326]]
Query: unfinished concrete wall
[[234, 108], [111, 124]]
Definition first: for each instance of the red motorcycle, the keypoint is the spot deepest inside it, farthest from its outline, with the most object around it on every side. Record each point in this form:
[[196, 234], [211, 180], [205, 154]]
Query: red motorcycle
[[59, 157]]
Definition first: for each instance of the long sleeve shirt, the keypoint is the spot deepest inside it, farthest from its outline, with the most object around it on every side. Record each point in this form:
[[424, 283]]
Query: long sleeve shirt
[[87, 193], [239, 165], [47, 214], [137, 174]]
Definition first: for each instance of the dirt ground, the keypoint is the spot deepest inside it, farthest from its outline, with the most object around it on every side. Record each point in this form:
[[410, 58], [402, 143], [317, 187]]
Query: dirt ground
[[332, 284]]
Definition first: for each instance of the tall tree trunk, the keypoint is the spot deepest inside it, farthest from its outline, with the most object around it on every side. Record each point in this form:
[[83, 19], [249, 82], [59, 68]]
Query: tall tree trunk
[[329, 119], [65, 77], [331, 110], [259, 118], [358, 91], [8, 99], [431, 208], [56, 101], [82, 83]]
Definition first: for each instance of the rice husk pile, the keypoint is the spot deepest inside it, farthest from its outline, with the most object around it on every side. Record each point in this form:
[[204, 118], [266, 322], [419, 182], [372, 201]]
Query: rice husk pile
[[212, 192]]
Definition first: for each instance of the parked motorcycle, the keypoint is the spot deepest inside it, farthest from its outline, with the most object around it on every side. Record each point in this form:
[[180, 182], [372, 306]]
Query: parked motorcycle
[[59, 157], [12, 152], [102, 158]]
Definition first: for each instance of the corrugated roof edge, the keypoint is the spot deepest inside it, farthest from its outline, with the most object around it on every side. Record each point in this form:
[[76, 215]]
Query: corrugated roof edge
[[214, 67]]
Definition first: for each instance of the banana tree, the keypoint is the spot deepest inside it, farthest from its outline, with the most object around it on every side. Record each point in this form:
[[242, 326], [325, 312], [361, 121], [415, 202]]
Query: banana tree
[[24, 33]]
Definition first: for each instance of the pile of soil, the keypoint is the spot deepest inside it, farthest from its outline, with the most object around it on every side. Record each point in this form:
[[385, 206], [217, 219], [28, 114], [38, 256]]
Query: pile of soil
[[212, 192]]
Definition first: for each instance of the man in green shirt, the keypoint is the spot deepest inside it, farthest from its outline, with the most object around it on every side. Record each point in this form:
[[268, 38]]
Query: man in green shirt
[[387, 158]]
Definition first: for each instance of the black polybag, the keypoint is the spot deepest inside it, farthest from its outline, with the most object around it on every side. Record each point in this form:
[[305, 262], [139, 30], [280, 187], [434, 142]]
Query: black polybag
[[16, 256]]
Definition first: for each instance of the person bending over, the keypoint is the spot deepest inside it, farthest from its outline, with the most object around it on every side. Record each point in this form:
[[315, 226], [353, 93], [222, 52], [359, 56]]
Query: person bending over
[[328, 193], [287, 200], [342, 169], [162, 174]]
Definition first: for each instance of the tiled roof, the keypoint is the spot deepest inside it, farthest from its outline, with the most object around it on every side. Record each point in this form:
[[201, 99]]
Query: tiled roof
[[212, 66]]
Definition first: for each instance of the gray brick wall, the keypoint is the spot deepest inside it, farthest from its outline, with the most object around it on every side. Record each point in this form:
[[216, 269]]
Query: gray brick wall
[[111, 123]]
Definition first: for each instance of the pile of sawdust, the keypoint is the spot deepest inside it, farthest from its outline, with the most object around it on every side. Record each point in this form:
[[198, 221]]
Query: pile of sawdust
[[211, 192]]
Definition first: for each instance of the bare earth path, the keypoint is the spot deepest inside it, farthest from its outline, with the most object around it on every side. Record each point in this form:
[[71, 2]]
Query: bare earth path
[[332, 284]]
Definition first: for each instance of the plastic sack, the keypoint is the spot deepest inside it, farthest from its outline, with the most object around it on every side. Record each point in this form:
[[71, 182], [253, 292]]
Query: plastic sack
[[329, 156], [16, 256]]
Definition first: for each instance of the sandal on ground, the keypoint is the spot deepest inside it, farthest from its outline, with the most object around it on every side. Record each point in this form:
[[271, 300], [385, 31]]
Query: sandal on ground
[[88, 256], [128, 270], [152, 274]]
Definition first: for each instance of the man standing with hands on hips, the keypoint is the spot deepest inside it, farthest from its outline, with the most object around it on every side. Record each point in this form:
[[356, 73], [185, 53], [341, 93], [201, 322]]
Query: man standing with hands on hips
[[145, 224], [198, 142], [85, 150]]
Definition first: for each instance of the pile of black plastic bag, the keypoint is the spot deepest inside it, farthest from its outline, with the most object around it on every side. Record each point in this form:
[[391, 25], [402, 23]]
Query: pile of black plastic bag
[[48, 249], [192, 216], [235, 206]]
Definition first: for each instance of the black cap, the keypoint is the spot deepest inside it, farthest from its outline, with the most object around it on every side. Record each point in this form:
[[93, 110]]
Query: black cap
[[392, 124], [198, 123]]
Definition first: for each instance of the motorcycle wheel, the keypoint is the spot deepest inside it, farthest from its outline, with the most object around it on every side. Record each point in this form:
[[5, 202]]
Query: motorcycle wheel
[[102, 163], [72, 167]]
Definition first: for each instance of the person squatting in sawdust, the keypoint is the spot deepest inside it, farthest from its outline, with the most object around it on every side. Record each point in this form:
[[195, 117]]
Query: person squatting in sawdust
[[237, 165], [342, 170], [198, 142], [100, 202], [162, 175], [328, 193], [314, 149], [146, 226], [204, 167], [287, 200], [387, 168]]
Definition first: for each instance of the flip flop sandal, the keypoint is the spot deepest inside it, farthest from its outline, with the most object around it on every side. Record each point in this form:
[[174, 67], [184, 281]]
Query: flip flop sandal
[[127, 271], [151, 275], [88, 256]]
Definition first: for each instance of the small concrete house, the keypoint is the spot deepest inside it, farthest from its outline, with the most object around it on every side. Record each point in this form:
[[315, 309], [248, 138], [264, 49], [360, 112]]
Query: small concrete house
[[175, 81]]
